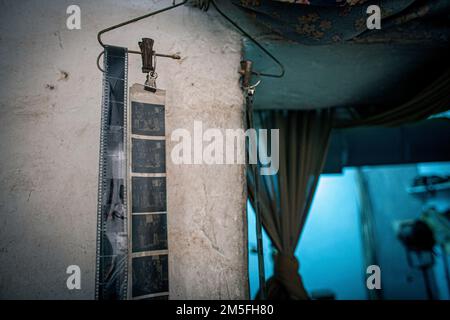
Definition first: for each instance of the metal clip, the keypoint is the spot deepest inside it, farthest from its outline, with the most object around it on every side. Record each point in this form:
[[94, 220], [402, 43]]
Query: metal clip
[[147, 54], [150, 82], [250, 90], [148, 63], [246, 72]]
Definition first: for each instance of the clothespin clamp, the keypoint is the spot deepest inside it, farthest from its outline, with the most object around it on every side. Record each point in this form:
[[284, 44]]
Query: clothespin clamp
[[148, 63], [246, 73]]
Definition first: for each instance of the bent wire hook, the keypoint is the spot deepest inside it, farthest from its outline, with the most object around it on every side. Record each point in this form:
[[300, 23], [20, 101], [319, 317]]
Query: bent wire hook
[[122, 24], [204, 5]]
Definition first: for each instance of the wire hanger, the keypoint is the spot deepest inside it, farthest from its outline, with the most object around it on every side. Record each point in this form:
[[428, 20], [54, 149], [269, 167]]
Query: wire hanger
[[245, 33], [203, 5], [122, 24]]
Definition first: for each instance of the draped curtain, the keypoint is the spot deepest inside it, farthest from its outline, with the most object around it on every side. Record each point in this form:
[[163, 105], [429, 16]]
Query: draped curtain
[[316, 22], [433, 99], [284, 199]]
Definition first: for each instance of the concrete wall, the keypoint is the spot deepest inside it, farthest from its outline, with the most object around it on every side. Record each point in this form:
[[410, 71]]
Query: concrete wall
[[50, 95]]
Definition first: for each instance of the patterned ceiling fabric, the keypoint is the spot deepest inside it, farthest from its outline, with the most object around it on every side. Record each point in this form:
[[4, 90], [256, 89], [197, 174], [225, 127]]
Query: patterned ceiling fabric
[[326, 21], [333, 3], [424, 21]]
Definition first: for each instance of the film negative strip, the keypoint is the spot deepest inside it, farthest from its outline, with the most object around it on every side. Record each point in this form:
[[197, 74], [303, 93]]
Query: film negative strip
[[112, 212], [148, 261]]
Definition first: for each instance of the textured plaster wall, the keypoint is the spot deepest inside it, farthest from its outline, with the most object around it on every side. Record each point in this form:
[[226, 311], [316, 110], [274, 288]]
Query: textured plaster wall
[[50, 95]]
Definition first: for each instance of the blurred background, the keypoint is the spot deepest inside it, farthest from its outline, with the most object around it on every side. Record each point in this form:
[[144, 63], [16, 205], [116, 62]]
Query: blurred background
[[355, 221]]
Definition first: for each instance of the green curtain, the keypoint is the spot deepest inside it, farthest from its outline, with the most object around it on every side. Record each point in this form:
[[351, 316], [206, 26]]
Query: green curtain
[[284, 199]]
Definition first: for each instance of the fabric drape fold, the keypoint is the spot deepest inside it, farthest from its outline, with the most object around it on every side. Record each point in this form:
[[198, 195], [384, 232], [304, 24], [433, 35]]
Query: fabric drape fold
[[284, 199], [433, 99]]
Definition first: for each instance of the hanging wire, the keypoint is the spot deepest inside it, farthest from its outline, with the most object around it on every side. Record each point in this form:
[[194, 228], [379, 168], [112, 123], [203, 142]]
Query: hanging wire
[[99, 35], [98, 61], [203, 5], [245, 33], [122, 24]]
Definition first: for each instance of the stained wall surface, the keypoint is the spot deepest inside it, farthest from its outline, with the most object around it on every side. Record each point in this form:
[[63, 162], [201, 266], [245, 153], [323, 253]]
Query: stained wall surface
[[50, 96]]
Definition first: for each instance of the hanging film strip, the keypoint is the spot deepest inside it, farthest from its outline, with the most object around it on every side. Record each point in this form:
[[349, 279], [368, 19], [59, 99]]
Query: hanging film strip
[[112, 222], [148, 211], [132, 248]]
